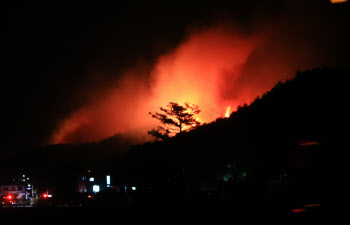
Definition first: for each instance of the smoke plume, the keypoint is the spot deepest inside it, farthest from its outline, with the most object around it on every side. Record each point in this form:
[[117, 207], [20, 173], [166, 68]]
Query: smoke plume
[[214, 68]]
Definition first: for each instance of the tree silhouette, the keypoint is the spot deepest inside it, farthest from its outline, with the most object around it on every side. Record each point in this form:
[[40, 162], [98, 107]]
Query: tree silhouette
[[159, 133], [175, 118]]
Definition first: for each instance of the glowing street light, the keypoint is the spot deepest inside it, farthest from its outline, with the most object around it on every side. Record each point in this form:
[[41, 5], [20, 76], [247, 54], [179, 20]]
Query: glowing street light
[[96, 188], [338, 1]]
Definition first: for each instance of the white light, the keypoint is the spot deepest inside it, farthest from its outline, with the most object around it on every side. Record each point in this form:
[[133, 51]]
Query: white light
[[96, 188], [24, 175], [108, 178], [133, 188], [49, 196], [28, 185], [27, 178], [92, 179]]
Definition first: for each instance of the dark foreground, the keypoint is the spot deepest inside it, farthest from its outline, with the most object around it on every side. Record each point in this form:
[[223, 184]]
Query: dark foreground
[[112, 215]]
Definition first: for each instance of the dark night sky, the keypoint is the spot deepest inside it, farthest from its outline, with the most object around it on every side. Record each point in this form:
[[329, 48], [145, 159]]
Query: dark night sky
[[54, 54]]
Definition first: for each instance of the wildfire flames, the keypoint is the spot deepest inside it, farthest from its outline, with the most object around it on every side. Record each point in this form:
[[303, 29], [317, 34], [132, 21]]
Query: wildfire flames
[[193, 125], [188, 74], [213, 68], [227, 112]]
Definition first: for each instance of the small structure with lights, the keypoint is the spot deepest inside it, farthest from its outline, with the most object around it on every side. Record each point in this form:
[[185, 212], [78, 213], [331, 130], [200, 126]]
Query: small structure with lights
[[94, 182], [17, 191]]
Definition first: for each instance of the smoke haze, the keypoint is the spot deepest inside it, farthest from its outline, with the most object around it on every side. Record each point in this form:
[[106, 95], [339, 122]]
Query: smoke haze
[[214, 67]]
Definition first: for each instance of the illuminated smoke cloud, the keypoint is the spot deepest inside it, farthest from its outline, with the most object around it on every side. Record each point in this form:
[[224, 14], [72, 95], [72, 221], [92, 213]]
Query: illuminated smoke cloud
[[193, 72], [213, 68]]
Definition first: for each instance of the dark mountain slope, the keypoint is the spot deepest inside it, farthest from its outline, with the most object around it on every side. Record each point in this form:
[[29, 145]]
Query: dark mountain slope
[[298, 131]]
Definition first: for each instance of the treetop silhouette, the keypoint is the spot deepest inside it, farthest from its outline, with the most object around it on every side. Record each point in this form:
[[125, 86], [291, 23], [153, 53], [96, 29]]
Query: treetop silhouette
[[175, 118]]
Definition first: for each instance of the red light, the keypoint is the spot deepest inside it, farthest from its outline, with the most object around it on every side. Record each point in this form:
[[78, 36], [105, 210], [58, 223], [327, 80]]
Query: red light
[[9, 197], [298, 210], [44, 195]]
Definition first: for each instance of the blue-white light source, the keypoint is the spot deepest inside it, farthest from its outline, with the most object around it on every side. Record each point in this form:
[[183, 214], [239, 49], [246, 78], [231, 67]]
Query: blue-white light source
[[96, 188]]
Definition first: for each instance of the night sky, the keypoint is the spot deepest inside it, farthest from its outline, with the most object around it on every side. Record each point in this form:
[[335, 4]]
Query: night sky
[[82, 72]]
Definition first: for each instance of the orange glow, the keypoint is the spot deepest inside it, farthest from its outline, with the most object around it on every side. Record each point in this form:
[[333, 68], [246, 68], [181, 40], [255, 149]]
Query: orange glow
[[193, 125], [213, 68], [228, 112], [338, 1], [194, 72]]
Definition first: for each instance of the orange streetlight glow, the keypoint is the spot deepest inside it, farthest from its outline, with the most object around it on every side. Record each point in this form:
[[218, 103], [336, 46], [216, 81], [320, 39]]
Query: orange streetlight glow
[[338, 1]]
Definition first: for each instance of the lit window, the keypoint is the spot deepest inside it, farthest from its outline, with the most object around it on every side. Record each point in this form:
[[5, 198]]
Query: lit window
[[133, 188], [108, 179], [92, 179]]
